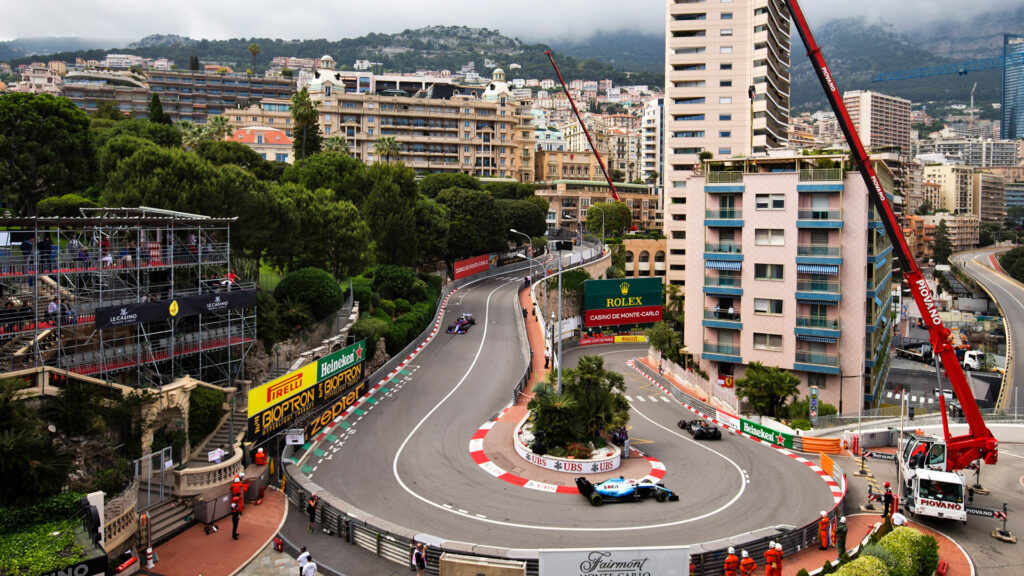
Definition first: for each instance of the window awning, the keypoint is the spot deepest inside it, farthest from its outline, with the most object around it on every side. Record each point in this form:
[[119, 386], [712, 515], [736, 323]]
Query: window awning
[[830, 269], [825, 339], [814, 301], [722, 265]]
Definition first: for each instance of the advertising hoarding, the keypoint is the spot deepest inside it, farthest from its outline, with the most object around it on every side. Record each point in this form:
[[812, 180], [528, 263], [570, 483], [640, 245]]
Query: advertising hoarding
[[653, 561], [471, 266], [622, 301]]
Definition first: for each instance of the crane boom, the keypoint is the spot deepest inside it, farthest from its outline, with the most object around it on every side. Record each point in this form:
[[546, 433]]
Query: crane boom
[[993, 63], [978, 443], [611, 184]]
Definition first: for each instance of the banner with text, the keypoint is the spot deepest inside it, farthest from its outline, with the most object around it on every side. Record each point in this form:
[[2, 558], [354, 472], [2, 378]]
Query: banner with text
[[138, 313], [471, 266], [620, 339], [622, 301], [282, 400], [653, 561], [766, 434]]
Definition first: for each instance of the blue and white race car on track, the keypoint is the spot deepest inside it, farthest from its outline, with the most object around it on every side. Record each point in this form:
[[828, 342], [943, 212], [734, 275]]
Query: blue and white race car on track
[[623, 490]]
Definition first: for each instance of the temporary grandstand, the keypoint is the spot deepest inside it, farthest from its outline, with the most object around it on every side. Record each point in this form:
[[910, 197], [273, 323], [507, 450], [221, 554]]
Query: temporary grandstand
[[137, 296]]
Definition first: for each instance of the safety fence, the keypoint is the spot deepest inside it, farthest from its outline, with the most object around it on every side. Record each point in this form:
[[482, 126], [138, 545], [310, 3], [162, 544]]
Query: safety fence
[[395, 543]]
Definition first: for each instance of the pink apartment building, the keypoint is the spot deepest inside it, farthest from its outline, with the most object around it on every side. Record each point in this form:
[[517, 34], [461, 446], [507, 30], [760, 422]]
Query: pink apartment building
[[790, 269]]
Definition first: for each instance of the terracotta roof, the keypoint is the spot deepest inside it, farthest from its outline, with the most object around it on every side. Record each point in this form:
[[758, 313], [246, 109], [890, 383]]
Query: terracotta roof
[[270, 136]]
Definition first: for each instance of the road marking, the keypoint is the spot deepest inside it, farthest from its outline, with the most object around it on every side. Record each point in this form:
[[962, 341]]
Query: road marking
[[1004, 452], [641, 399]]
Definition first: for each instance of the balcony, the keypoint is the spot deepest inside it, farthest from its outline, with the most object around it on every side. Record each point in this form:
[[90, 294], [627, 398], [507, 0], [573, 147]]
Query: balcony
[[718, 318], [820, 322], [723, 248], [820, 362], [818, 291], [721, 352], [726, 214], [819, 219], [821, 175], [724, 177], [819, 250], [723, 286]]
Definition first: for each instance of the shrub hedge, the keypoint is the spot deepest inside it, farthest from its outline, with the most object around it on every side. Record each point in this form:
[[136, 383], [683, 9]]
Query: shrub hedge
[[35, 550], [314, 287], [864, 566], [205, 409]]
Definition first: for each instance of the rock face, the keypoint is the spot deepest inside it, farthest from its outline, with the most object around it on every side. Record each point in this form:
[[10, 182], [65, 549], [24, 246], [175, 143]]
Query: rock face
[[380, 357]]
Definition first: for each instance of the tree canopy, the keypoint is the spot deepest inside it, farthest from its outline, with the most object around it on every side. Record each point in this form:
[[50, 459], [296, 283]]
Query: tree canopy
[[943, 246], [617, 218], [767, 388]]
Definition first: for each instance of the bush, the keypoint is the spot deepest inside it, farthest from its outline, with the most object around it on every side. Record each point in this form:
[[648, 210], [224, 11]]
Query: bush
[[827, 568], [67, 205], [393, 282], [802, 408], [370, 329], [111, 481], [34, 550], [864, 566], [803, 572], [880, 552], [205, 409], [800, 424], [387, 307], [362, 291], [313, 287], [420, 292], [921, 551], [57, 507], [578, 450], [402, 305]]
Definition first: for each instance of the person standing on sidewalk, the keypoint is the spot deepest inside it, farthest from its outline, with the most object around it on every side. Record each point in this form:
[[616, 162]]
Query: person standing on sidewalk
[[747, 564], [303, 559], [310, 568], [887, 500], [732, 563], [841, 537], [236, 513], [419, 558], [311, 507], [778, 567], [823, 530], [547, 357], [771, 560]]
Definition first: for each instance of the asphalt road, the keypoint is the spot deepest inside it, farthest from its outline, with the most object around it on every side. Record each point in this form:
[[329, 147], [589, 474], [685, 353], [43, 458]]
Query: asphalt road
[[1011, 299], [406, 459]]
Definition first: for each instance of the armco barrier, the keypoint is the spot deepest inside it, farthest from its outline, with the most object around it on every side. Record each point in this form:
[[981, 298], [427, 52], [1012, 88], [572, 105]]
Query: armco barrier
[[395, 542]]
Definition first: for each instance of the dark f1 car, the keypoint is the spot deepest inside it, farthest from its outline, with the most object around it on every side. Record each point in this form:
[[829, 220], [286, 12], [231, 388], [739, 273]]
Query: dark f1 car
[[701, 429], [623, 490], [462, 324]]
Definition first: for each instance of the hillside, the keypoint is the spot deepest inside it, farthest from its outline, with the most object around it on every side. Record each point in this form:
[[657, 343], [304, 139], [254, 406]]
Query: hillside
[[25, 47], [626, 49]]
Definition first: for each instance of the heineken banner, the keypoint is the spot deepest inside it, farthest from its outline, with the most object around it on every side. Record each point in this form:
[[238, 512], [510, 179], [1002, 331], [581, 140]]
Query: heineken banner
[[766, 434], [280, 401], [113, 316], [622, 301]]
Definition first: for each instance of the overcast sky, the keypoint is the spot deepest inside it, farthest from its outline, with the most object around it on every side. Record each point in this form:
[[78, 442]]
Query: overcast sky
[[532, 20]]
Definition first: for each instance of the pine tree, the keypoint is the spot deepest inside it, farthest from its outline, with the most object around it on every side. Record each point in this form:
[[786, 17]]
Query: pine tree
[[156, 111]]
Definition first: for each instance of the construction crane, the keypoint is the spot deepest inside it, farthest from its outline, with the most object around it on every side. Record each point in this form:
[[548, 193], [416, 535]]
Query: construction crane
[[962, 68], [949, 456]]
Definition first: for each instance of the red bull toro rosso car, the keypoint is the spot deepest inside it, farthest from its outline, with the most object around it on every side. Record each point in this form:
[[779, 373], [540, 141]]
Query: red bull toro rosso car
[[623, 490], [462, 324]]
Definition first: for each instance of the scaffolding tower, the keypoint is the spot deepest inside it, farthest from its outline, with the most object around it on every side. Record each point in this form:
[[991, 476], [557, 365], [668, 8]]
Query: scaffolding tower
[[58, 274]]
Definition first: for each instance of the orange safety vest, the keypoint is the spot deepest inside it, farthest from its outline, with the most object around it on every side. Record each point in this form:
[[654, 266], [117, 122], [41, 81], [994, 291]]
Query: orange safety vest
[[747, 566], [732, 563], [693, 569], [261, 459], [771, 557]]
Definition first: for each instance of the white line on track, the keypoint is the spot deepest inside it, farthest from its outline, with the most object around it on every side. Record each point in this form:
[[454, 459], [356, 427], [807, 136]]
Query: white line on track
[[467, 515]]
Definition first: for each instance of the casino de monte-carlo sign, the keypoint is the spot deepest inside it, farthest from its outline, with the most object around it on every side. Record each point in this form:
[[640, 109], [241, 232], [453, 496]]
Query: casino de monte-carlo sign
[[620, 301]]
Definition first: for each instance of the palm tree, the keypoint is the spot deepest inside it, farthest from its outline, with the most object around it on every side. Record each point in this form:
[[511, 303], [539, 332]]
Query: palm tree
[[254, 51], [307, 118], [32, 465], [387, 147], [191, 134], [218, 128], [337, 144]]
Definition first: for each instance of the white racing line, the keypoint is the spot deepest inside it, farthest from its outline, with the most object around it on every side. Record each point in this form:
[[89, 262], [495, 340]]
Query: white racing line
[[471, 516]]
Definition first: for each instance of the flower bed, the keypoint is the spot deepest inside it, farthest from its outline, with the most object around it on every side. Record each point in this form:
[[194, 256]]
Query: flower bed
[[601, 460]]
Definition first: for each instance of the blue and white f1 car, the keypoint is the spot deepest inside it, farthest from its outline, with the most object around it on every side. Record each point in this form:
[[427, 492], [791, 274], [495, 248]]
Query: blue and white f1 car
[[623, 490], [462, 324]]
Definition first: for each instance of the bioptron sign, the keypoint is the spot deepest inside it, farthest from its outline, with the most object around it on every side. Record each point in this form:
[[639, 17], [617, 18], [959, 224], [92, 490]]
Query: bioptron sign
[[655, 561], [283, 399], [618, 301]]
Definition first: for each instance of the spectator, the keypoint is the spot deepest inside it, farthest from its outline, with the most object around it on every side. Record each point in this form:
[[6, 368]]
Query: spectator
[[230, 279], [124, 257], [9, 316], [53, 310], [83, 257], [310, 568], [70, 316], [419, 558], [74, 245], [303, 559], [104, 244], [45, 248], [107, 260]]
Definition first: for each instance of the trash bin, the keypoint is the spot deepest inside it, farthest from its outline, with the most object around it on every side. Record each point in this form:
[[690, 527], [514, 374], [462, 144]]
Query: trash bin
[[256, 479], [212, 505]]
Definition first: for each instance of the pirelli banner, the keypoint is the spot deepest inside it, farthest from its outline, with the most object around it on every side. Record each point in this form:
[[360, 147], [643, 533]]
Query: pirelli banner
[[113, 316], [622, 301], [279, 402]]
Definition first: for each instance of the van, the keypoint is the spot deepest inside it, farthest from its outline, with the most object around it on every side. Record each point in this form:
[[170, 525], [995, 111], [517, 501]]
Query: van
[[972, 359]]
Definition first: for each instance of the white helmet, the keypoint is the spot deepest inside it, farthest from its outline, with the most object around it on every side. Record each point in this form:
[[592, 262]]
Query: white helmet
[[259, 450], [771, 544], [744, 554], [241, 475], [778, 546], [823, 514], [732, 550], [843, 519], [237, 479]]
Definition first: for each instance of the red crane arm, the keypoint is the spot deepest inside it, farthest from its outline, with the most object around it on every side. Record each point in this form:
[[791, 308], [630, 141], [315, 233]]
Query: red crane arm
[[979, 442], [615, 194]]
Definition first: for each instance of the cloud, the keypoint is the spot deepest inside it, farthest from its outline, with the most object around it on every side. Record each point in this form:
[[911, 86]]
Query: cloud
[[530, 20]]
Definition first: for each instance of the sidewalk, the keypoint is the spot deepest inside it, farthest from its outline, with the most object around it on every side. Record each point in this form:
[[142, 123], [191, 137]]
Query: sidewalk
[[537, 344], [195, 552]]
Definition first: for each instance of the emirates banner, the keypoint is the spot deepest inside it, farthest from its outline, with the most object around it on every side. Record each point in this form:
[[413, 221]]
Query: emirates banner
[[113, 316]]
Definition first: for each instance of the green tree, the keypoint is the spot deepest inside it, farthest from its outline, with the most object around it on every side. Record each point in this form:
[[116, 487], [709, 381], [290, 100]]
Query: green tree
[[34, 468], [925, 208], [617, 175], [510, 190], [335, 237], [341, 173], [108, 110], [1013, 262], [1015, 216], [523, 216], [943, 247], [117, 149], [306, 118], [160, 134], [387, 147], [191, 134], [593, 401], [166, 178], [156, 111], [431, 230], [218, 128], [767, 388], [45, 150], [617, 218], [221, 152], [254, 51], [476, 225], [313, 287], [390, 212], [67, 206], [665, 340], [987, 234], [337, 143], [432, 184], [193, 62]]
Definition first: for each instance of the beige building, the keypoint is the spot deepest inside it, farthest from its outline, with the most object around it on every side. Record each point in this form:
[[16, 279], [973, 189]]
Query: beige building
[[39, 79], [956, 192], [962, 229], [272, 144], [556, 165], [569, 200], [990, 196], [881, 120], [624, 153], [644, 257]]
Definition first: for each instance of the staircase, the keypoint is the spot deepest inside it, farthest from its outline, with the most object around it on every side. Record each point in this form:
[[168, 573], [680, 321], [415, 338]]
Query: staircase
[[220, 437], [168, 519]]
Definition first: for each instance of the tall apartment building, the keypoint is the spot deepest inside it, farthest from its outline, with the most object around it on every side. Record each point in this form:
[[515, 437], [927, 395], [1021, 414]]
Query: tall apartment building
[[88, 88], [881, 120], [726, 93], [651, 133], [1014, 194], [990, 196], [794, 270], [624, 153], [962, 230], [195, 95], [977, 152], [955, 189], [1011, 126], [568, 201]]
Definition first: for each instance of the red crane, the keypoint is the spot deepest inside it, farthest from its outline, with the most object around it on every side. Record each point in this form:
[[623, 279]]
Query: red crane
[[978, 443]]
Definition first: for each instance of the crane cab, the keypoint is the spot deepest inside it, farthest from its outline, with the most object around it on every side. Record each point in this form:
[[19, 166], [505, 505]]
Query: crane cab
[[924, 452]]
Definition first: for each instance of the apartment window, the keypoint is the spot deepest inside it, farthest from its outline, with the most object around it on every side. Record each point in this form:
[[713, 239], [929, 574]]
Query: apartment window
[[725, 49], [725, 66], [690, 17], [724, 151], [370, 131], [725, 117], [689, 134], [678, 235], [279, 157], [769, 237], [771, 201], [689, 118], [688, 67], [725, 134], [726, 15], [695, 100], [691, 50], [767, 306], [724, 99], [690, 84], [725, 83], [727, 32], [767, 341], [768, 271]]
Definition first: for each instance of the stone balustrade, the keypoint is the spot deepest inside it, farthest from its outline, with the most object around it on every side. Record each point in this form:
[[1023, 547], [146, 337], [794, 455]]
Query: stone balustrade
[[195, 481]]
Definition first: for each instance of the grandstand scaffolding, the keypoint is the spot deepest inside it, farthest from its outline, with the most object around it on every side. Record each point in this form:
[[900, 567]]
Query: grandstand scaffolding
[[138, 296]]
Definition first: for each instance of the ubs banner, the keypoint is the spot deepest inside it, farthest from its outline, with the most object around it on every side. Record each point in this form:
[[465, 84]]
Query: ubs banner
[[279, 402], [113, 316], [657, 561], [622, 301]]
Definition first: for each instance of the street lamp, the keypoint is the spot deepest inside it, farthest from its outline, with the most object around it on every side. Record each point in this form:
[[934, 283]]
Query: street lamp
[[529, 247]]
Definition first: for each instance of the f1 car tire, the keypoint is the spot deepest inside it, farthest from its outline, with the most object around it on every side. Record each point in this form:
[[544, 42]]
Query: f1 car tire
[[717, 435], [662, 496], [596, 499]]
